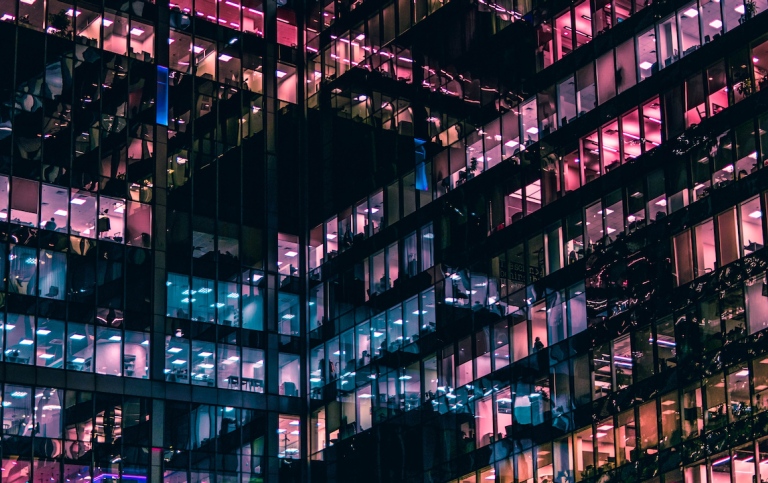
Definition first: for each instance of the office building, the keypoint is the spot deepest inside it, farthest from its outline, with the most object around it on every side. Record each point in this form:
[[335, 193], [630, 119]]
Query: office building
[[412, 241]]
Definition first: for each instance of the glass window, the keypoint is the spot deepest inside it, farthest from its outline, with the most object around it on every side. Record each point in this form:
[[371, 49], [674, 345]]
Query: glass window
[[716, 85], [757, 303], [646, 54], [606, 77], [53, 274], [203, 363], [177, 359], [728, 236], [80, 342], [688, 20], [566, 105], [109, 353], [683, 258], [706, 261], [83, 213], [711, 21], [751, 228], [626, 67], [288, 374], [24, 202], [667, 43], [22, 274], [54, 213], [586, 98], [427, 247]]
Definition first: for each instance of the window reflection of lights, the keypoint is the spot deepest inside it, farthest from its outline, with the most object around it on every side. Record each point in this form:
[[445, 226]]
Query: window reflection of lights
[[26, 342], [217, 305], [377, 333], [364, 396], [77, 337], [405, 378], [742, 373], [30, 261], [78, 360], [205, 366], [115, 338], [76, 13], [46, 356], [175, 350], [289, 316], [19, 394], [205, 354], [179, 362], [203, 290], [43, 331], [233, 358]]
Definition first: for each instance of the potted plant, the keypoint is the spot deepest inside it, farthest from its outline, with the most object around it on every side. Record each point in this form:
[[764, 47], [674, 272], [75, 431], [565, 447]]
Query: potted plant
[[745, 88], [59, 22], [749, 8]]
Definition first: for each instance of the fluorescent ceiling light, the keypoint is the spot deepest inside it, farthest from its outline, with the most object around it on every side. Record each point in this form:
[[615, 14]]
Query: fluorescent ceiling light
[[280, 74], [77, 337], [78, 201], [290, 253], [645, 65], [70, 12], [756, 214], [60, 212], [716, 24], [511, 144], [740, 9], [197, 49], [115, 338], [106, 22], [532, 130], [136, 31], [691, 12], [225, 58], [43, 331], [175, 350]]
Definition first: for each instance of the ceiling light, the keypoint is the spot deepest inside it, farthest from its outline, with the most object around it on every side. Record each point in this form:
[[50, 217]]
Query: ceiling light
[[280, 74], [645, 65], [716, 24], [691, 12], [60, 212], [175, 350], [26, 342], [70, 13], [511, 144], [46, 356], [78, 201], [197, 49], [43, 331], [532, 130], [115, 338], [105, 22], [662, 202], [77, 337], [740, 9], [290, 253], [136, 31], [756, 214], [330, 236], [289, 316], [755, 60], [179, 362], [225, 58]]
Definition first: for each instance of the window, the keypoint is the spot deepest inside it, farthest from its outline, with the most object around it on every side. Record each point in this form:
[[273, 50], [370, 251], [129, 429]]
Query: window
[[683, 255], [646, 54], [427, 247], [706, 261]]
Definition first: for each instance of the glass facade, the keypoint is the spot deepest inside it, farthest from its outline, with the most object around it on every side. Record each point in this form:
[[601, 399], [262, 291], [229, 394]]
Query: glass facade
[[399, 241]]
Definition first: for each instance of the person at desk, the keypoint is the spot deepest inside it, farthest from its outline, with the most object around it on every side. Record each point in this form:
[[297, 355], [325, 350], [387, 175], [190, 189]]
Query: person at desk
[[50, 225]]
